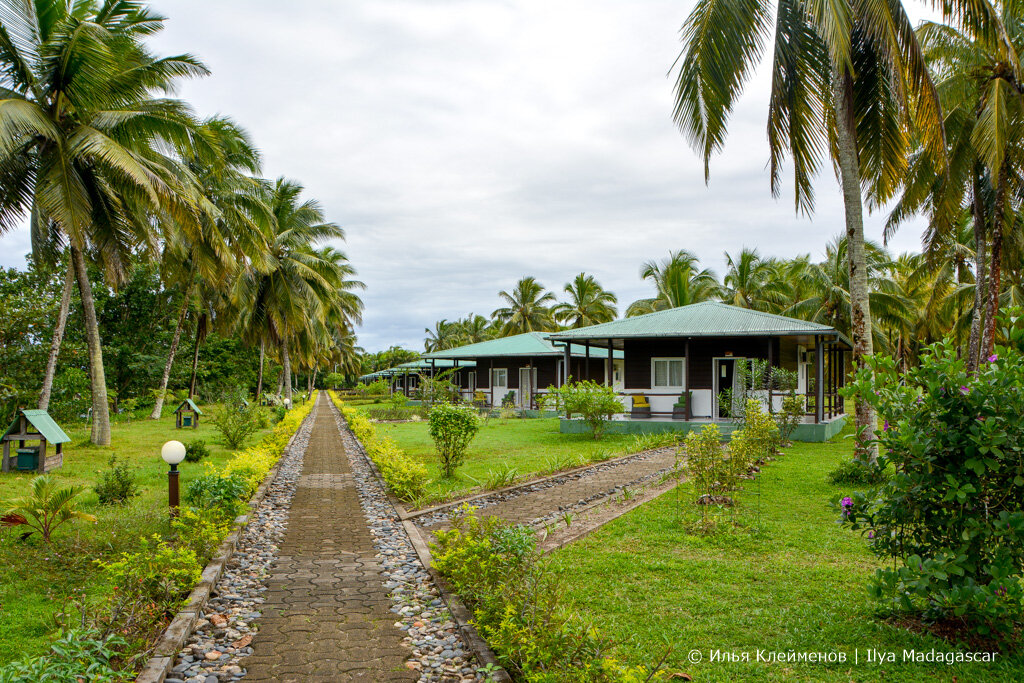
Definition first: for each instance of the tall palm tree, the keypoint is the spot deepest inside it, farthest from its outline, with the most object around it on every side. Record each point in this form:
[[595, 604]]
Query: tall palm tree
[[677, 281], [848, 80], [528, 309], [589, 303], [281, 299], [445, 335], [752, 282], [475, 328], [979, 81], [81, 140], [224, 239]]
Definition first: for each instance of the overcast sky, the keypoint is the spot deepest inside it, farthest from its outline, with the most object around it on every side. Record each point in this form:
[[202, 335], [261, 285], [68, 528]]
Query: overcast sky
[[464, 144]]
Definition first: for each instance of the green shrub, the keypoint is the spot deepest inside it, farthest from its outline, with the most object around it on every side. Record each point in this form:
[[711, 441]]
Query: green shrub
[[158, 573], [235, 422], [706, 463], [116, 485], [857, 473], [452, 428], [951, 520], [789, 418], [405, 477], [199, 531], [225, 493], [595, 402], [761, 429], [78, 655], [196, 451]]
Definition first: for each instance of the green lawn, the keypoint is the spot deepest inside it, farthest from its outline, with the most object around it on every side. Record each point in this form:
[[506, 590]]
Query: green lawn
[[36, 581], [531, 446], [796, 583]]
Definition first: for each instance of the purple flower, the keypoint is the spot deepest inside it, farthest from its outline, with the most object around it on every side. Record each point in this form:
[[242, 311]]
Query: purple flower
[[871, 534], [964, 390], [847, 504], [885, 427], [993, 358], [1001, 591]]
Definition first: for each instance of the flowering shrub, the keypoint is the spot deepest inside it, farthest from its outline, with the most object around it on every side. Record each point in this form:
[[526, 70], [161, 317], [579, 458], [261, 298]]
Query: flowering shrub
[[952, 516], [405, 477], [452, 428]]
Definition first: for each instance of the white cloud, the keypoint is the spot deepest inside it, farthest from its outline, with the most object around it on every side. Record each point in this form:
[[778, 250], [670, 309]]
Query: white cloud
[[464, 144]]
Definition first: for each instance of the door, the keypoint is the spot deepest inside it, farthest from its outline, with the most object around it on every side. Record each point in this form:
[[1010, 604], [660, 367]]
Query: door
[[526, 388], [618, 371], [725, 374], [499, 385]]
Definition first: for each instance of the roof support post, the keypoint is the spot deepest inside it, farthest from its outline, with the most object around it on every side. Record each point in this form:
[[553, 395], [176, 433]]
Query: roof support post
[[490, 381], [686, 379], [611, 365], [586, 363], [771, 364], [566, 368], [819, 378]]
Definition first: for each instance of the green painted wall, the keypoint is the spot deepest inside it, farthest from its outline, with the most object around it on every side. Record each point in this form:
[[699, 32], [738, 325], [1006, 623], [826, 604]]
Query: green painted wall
[[822, 431]]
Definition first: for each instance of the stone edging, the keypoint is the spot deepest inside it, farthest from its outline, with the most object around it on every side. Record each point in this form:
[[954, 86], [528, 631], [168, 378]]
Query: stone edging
[[460, 614], [181, 627]]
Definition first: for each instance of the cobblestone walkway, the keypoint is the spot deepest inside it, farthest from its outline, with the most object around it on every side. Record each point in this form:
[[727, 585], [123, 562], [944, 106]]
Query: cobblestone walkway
[[327, 614], [603, 480]]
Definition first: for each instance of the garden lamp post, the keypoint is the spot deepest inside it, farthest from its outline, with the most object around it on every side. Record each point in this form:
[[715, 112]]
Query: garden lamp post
[[173, 452]]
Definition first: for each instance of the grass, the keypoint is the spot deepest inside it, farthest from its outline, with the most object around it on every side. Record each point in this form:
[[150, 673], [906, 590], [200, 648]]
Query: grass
[[793, 581], [39, 581], [532, 446]]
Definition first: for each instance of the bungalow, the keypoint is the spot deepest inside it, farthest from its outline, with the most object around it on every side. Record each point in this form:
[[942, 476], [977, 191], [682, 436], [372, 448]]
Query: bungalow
[[521, 366], [404, 378], [694, 350]]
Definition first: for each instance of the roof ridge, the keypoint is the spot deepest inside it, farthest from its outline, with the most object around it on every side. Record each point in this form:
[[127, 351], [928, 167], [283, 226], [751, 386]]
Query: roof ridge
[[765, 314]]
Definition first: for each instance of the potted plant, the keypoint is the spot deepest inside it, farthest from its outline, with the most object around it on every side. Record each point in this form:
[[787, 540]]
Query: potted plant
[[679, 411]]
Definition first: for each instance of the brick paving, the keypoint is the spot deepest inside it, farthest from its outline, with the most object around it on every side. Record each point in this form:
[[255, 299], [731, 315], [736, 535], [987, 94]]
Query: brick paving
[[534, 505], [327, 614]]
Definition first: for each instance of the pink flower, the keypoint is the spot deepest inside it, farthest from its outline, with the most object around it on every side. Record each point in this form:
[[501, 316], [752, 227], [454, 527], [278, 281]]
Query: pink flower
[[993, 358], [964, 390]]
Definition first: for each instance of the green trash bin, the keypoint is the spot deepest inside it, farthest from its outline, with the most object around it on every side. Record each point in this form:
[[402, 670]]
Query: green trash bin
[[28, 459]]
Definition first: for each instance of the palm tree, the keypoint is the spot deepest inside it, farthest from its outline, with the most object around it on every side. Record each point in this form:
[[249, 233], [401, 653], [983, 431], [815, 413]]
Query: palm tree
[[222, 240], [753, 282], [677, 281], [80, 134], [848, 80], [283, 299], [445, 335], [528, 309], [589, 303], [474, 329], [979, 81]]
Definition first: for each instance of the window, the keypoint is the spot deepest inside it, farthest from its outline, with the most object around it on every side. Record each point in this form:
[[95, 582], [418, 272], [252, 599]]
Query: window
[[499, 377], [472, 381], [667, 372]]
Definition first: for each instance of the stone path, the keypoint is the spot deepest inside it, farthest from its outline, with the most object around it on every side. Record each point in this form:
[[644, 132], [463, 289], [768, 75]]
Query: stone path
[[327, 615], [534, 504]]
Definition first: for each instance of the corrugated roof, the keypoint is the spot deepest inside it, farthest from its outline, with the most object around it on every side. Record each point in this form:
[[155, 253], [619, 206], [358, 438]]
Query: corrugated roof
[[42, 423], [530, 344], [706, 319], [191, 405]]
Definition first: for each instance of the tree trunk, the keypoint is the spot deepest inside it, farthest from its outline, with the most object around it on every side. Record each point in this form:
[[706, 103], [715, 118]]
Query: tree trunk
[[860, 310], [158, 407], [286, 372], [200, 331], [280, 383], [988, 339], [259, 377], [980, 277], [100, 409], [58, 337]]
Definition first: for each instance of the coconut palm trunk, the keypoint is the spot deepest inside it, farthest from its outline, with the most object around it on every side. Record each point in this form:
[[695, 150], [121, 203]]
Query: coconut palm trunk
[[200, 333], [100, 409], [58, 337], [286, 373], [980, 278], [158, 407], [860, 312], [988, 339], [259, 377]]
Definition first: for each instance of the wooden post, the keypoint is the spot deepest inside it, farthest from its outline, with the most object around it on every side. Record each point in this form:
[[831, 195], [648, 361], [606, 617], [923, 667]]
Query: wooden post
[[566, 364], [611, 364], [41, 465], [819, 379], [490, 381], [686, 380], [586, 363], [7, 456], [771, 392]]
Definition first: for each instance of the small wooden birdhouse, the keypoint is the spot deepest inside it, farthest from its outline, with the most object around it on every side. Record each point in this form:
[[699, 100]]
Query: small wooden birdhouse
[[33, 426], [187, 414]]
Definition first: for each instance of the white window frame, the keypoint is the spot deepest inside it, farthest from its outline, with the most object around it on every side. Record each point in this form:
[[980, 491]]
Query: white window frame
[[471, 380], [494, 381], [668, 372]]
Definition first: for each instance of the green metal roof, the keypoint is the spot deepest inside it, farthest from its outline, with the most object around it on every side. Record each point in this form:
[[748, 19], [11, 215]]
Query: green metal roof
[[706, 319], [42, 423], [191, 405], [530, 344]]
